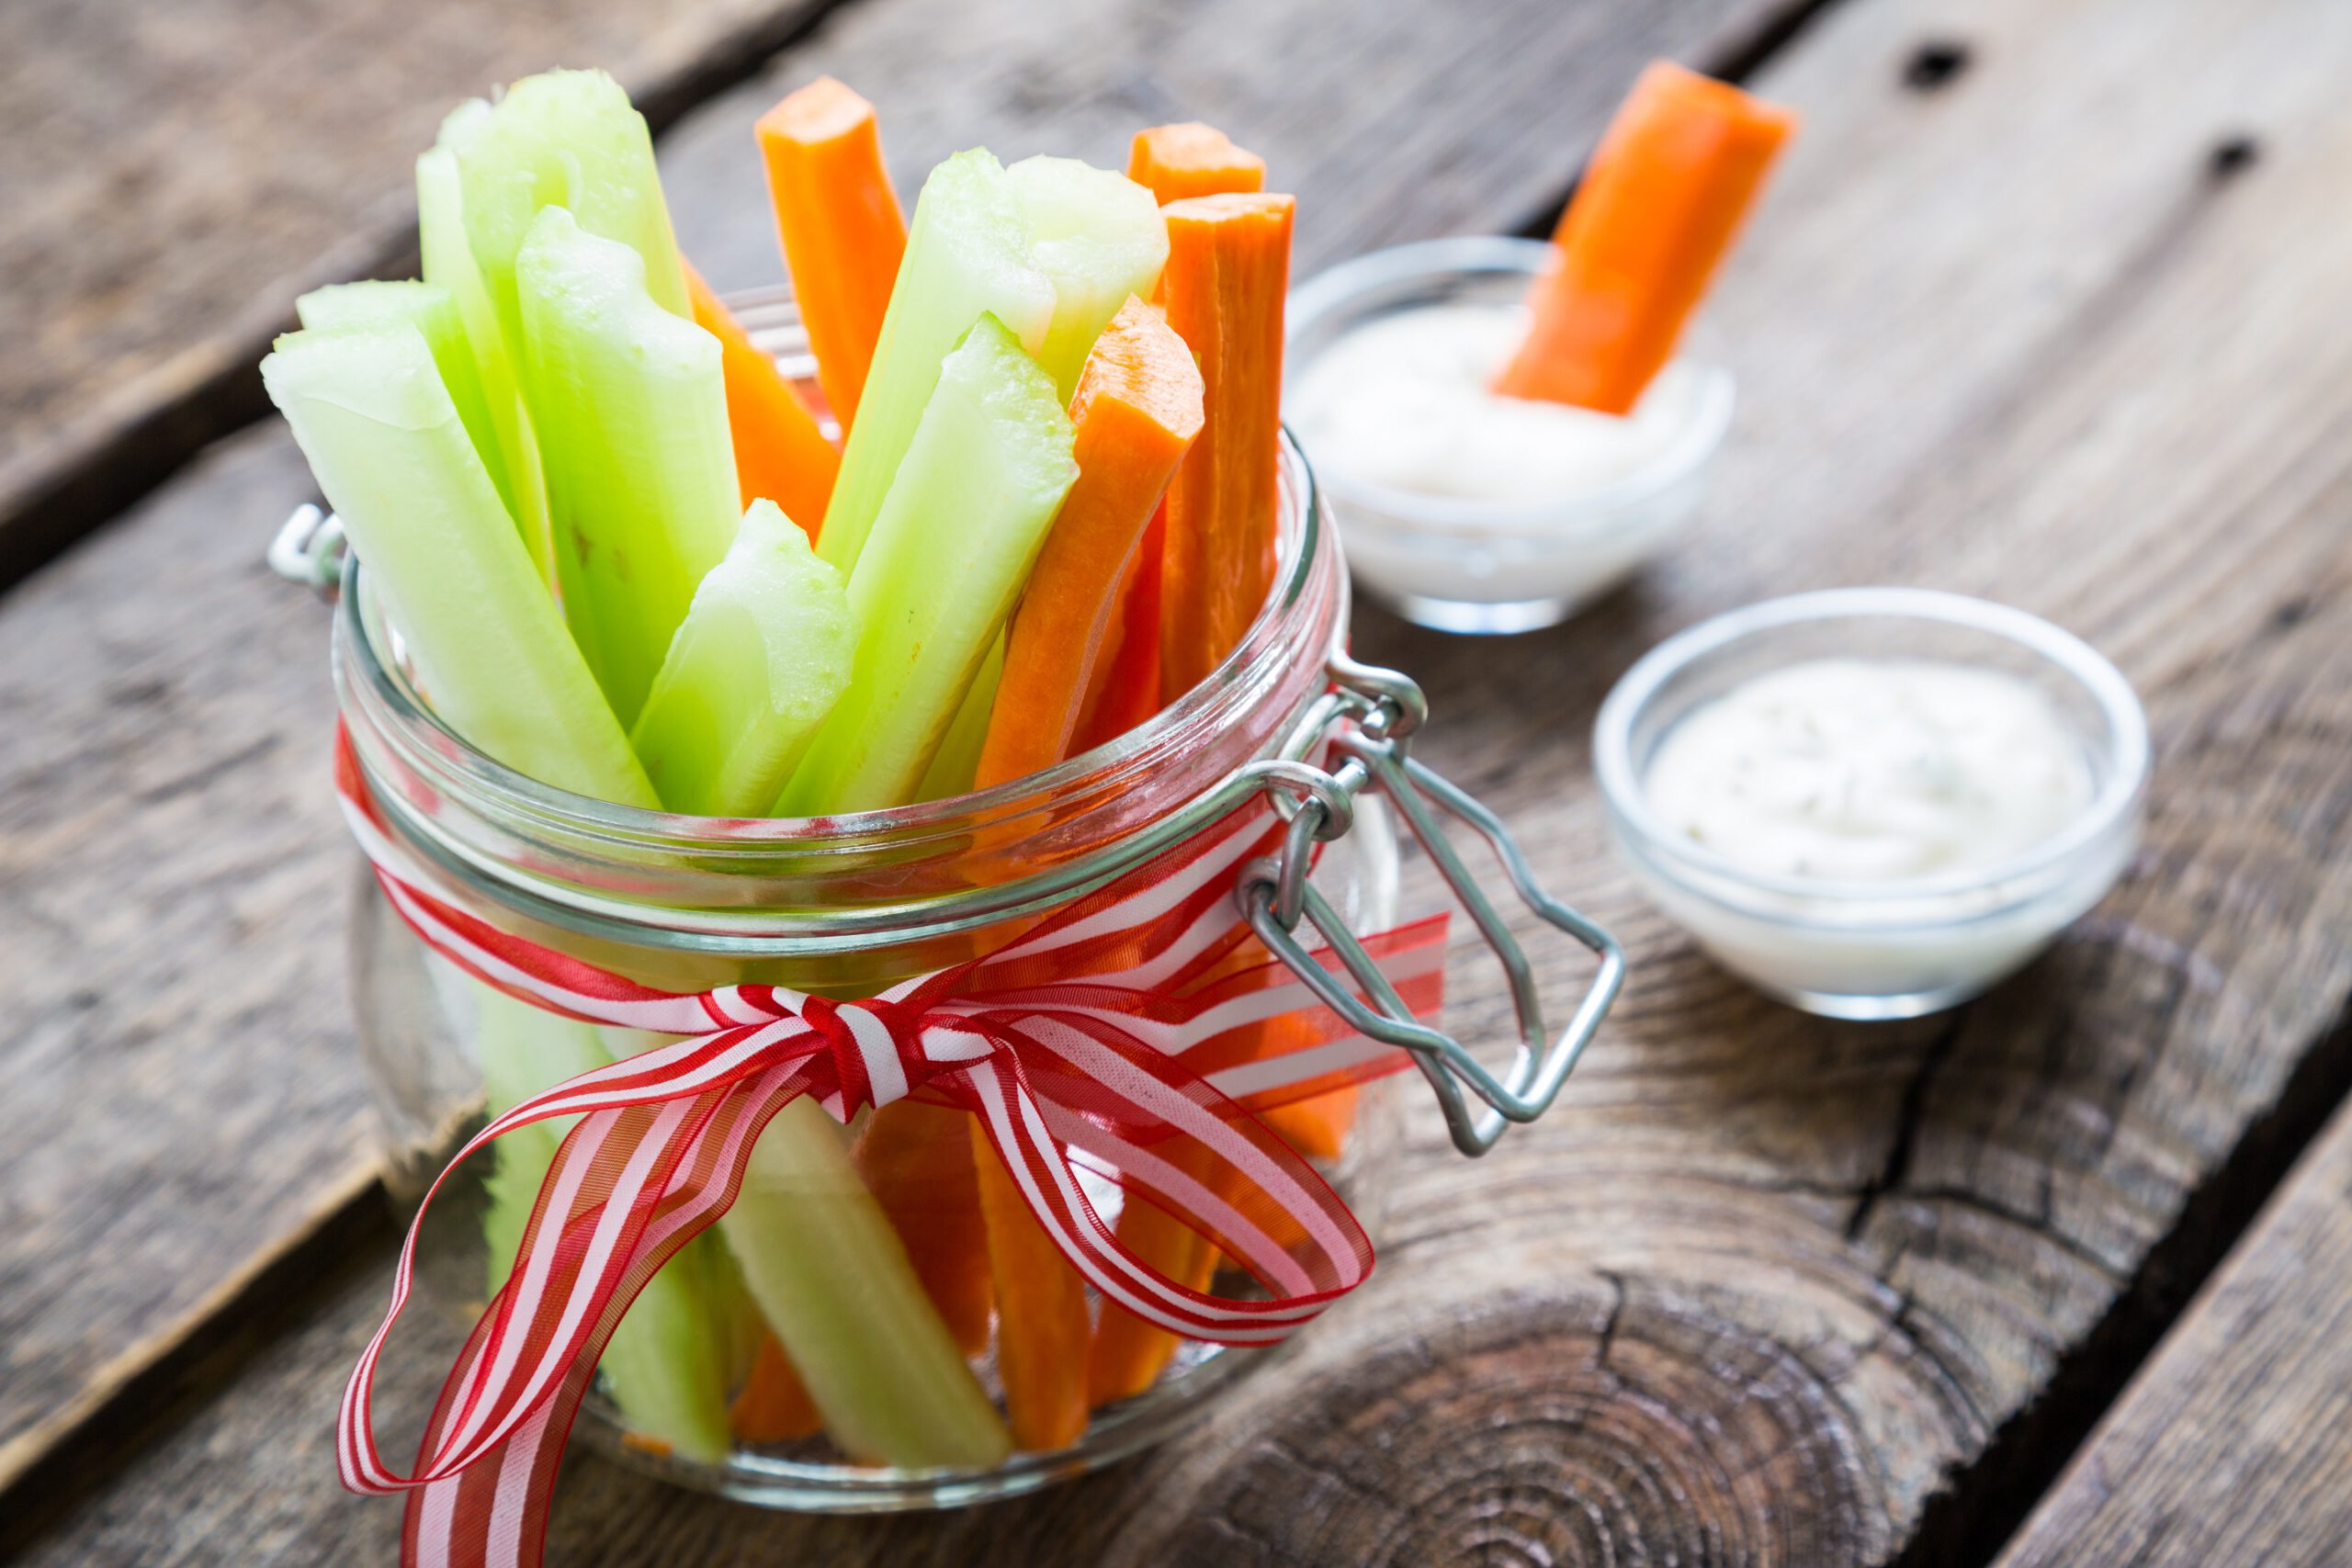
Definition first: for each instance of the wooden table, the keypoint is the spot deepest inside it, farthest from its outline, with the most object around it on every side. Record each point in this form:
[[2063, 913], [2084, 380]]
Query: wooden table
[[2045, 305]]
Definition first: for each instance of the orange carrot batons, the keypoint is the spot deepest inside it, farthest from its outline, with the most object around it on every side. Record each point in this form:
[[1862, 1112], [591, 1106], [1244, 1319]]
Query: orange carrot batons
[[1136, 409], [1176, 162], [780, 455], [1228, 270], [1041, 1324], [1658, 210], [840, 225]]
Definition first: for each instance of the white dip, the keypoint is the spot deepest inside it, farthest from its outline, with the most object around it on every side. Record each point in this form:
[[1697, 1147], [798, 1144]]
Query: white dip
[[1406, 401], [1854, 770]]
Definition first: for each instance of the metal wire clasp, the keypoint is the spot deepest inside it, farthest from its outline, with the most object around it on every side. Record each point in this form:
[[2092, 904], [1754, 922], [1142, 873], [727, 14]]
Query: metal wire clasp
[[308, 550], [1367, 720]]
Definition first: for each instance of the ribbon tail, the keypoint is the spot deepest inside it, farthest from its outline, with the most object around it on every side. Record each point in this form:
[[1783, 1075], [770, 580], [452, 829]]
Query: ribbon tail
[[630, 1186]]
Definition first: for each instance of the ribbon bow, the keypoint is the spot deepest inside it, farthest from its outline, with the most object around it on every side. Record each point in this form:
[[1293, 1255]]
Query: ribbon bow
[[1090, 1043]]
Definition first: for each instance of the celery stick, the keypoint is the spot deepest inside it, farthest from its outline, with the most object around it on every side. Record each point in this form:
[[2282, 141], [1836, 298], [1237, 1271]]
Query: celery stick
[[987, 469], [449, 263], [741, 1327], [561, 139], [957, 762], [1100, 237], [668, 1362], [433, 310], [385, 444], [967, 255], [756, 665], [835, 1282], [630, 408]]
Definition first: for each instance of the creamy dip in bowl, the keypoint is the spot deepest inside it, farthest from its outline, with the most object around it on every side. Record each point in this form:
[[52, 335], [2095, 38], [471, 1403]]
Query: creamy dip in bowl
[[1460, 508], [1874, 801]]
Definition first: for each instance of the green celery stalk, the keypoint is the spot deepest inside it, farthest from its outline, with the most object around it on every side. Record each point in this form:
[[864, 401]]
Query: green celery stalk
[[833, 1281], [433, 310], [967, 255], [631, 407], [385, 444], [957, 762], [449, 263], [368, 408], [755, 666], [668, 1363], [567, 139], [986, 470], [1100, 237]]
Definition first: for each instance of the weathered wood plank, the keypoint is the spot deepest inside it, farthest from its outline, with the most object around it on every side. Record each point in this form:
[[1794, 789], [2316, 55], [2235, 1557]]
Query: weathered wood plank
[[2232, 1446], [173, 174], [1765, 1285], [177, 1109]]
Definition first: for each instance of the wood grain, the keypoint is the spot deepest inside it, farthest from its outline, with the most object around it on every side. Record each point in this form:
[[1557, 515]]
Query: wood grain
[[1766, 1289], [172, 175], [2229, 1447], [184, 1096]]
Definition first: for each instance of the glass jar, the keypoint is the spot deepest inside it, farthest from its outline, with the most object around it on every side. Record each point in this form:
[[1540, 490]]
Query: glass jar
[[845, 908]]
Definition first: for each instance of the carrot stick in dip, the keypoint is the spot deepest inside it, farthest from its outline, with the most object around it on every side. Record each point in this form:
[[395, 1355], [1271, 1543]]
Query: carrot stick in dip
[[1656, 212], [1229, 268], [1176, 162], [780, 455], [1136, 409], [840, 225]]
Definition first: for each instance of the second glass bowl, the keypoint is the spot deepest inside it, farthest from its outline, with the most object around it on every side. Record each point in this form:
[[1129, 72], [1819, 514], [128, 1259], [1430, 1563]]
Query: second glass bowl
[[1882, 949]]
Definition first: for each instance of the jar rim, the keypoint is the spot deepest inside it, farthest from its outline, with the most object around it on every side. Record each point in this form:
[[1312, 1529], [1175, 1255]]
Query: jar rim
[[591, 847]]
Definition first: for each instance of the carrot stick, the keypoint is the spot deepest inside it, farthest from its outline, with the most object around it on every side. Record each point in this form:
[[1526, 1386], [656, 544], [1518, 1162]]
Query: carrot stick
[[842, 229], [1126, 688], [1129, 1353], [1318, 1127], [780, 455], [1174, 162], [1041, 1323], [1655, 213], [774, 1406], [1228, 267], [918, 1161], [1136, 409]]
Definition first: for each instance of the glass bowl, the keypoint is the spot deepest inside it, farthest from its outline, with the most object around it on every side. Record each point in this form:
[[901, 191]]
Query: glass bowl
[[1893, 948], [1463, 565]]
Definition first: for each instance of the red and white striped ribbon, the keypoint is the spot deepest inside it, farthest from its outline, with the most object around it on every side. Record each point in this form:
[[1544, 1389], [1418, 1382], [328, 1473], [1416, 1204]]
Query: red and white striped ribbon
[[1121, 1031]]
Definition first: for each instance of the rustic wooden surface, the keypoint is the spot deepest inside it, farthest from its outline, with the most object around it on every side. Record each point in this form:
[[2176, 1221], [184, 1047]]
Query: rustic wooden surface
[[2229, 1447], [2032, 313], [171, 175], [185, 1100]]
